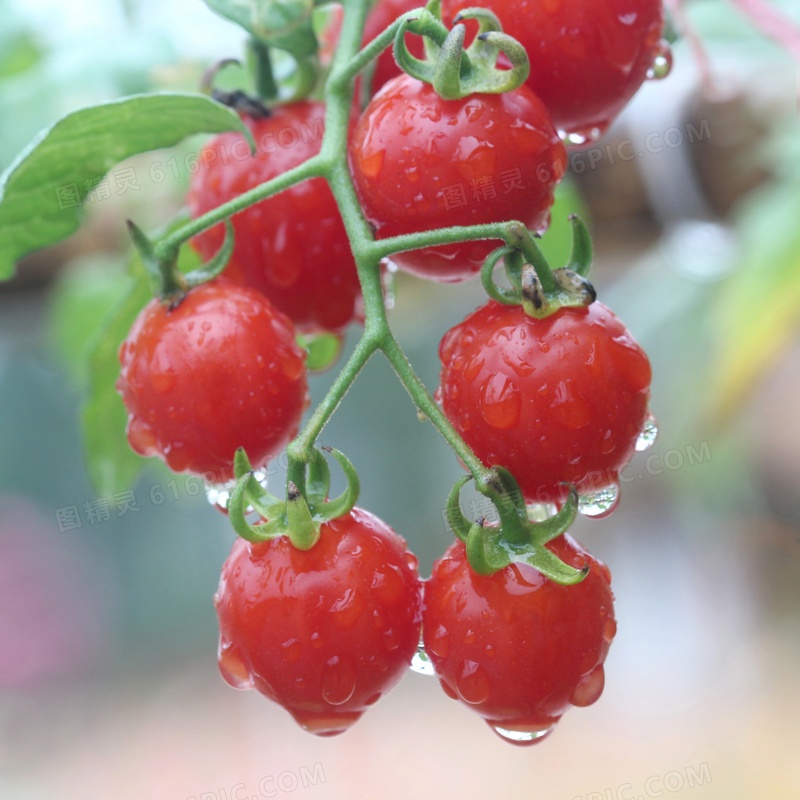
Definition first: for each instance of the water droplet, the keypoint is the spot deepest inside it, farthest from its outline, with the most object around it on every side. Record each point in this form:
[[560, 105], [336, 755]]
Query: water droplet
[[472, 683], [539, 512], [421, 663], [581, 138], [662, 63], [338, 680], [600, 503], [501, 403], [589, 689], [522, 738], [232, 667], [648, 435], [219, 494]]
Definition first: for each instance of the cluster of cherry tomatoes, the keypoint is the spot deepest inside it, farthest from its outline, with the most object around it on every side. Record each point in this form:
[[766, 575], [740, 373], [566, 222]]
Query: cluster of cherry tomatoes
[[555, 399]]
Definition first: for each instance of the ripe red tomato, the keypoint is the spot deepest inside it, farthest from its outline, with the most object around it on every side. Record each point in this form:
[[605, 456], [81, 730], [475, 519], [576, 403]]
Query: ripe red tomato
[[420, 162], [292, 247], [219, 371], [323, 632], [515, 647], [556, 399], [588, 57]]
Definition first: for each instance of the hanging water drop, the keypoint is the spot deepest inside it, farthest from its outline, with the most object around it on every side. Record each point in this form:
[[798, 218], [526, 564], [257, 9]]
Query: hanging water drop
[[600, 503], [522, 738], [648, 435], [219, 494], [662, 63], [421, 663]]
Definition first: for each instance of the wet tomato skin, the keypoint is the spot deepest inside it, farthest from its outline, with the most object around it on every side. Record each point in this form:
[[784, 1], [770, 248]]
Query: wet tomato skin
[[515, 647], [420, 163], [293, 247], [557, 399], [218, 371], [588, 57], [323, 632]]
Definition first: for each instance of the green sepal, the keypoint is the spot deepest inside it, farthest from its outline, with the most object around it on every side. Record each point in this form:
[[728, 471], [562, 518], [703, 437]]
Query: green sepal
[[552, 528], [581, 258], [303, 532], [450, 75], [318, 482], [516, 539], [433, 30], [508, 297], [213, 268], [458, 523], [166, 280], [333, 509], [237, 505]]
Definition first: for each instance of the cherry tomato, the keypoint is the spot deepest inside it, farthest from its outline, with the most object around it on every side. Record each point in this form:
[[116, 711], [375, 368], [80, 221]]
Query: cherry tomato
[[218, 371], [588, 57], [420, 162], [292, 247], [323, 632], [515, 647], [556, 399]]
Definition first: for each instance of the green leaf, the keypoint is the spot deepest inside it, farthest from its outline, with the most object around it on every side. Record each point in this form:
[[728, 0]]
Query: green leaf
[[84, 292], [42, 190], [111, 464], [757, 311]]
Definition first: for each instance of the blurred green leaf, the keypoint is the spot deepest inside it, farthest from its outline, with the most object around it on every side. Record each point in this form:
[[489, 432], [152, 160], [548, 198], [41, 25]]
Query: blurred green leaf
[[111, 464], [19, 56], [86, 289], [757, 310], [42, 191]]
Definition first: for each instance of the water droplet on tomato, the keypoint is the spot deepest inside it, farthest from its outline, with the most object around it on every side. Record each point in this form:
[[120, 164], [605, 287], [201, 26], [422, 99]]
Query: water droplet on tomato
[[610, 630], [648, 435], [232, 668], [338, 680], [472, 683], [600, 503], [662, 63], [589, 689], [583, 136], [522, 738], [420, 661], [501, 403], [440, 644]]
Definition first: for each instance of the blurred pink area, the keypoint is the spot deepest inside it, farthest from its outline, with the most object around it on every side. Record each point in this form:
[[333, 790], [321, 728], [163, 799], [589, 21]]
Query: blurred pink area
[[52, 618]]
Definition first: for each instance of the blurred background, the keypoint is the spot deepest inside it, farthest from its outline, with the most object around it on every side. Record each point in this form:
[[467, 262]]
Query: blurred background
[[108, 679]]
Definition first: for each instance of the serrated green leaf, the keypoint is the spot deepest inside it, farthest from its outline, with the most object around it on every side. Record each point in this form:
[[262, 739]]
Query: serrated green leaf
[[42, 191]]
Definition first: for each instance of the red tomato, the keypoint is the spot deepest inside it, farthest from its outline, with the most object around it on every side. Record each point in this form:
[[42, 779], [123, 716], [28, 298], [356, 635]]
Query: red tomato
[[323, 632], [292, 247], [514, 647], [556, 399], [420, 163], [219, 371], [588, 57]]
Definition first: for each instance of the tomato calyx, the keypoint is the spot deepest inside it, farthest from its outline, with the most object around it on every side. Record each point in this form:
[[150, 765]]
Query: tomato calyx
[[453, 70], [305, 509], [517, 539], [166, 280], [540, 290]]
